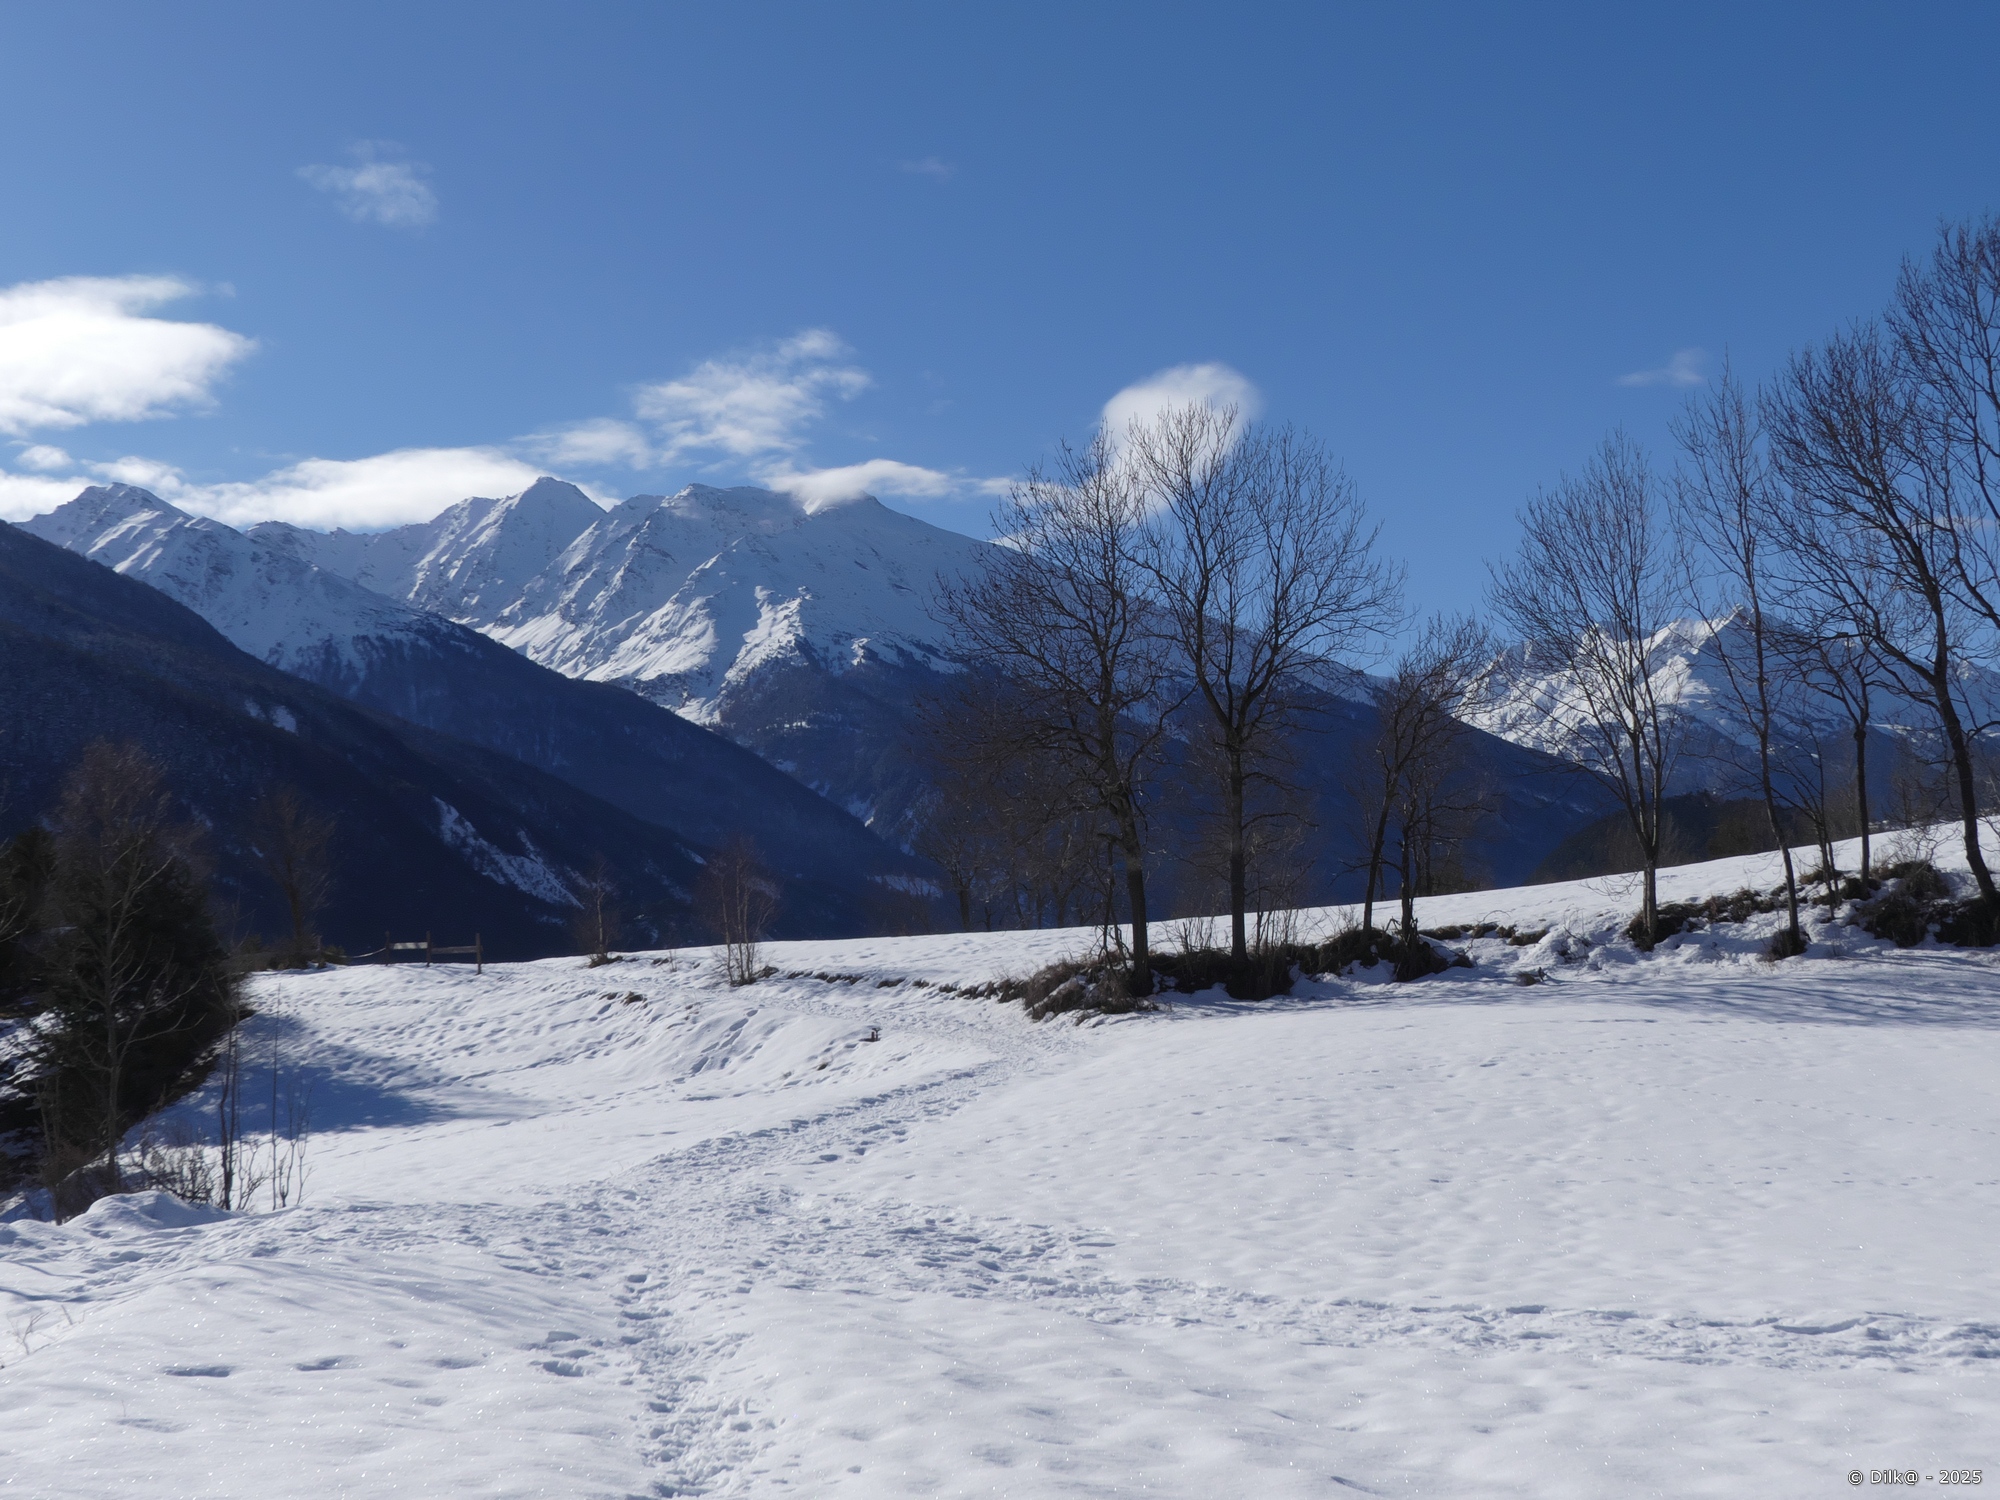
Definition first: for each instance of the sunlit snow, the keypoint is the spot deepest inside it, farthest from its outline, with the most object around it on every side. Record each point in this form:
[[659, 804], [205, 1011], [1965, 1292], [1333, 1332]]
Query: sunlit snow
[[1682, 1224]]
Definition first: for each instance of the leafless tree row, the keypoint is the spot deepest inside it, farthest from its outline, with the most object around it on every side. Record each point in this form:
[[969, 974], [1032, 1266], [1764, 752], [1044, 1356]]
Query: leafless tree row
[[1172, 593], [1171, 600], [1845, 520]]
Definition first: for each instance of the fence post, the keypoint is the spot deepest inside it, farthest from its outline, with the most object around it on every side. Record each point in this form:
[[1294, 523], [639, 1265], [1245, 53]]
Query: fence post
[[388, 953], [427, 950], [479, 952]]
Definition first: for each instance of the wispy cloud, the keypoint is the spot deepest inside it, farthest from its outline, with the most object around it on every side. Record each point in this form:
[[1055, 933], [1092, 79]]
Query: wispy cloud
[[749, 414], [929, 166], [751, 404], [80, 349], [1181, 385], [601, 442], [383, 489], [379, 189], [1684, 369], [818, 488]]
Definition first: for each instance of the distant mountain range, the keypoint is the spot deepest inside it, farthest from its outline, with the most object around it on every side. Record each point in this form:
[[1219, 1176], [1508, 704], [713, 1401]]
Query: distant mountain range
[[1689, 668], [433, 834], [801, 633], [425, 669]]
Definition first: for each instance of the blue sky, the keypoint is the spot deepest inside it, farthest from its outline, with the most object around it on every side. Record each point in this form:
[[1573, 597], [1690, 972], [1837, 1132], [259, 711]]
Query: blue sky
[[345, 264]]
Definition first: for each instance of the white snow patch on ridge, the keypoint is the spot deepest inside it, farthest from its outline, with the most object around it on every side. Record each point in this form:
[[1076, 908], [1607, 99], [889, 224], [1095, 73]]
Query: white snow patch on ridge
[[524, 872]]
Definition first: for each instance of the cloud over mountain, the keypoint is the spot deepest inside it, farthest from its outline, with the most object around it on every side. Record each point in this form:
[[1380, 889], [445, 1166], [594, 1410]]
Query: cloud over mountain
[[82, 349]]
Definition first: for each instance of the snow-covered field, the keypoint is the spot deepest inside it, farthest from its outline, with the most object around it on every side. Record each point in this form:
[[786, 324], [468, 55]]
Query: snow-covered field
[[1685, 1225]]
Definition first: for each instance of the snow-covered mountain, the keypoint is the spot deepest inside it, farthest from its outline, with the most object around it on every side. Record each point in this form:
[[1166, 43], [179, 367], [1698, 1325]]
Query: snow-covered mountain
[[1523, 702], [466, 564], [687, 598], [268, 600], [1689, 665], [801, 633], [273, 604]]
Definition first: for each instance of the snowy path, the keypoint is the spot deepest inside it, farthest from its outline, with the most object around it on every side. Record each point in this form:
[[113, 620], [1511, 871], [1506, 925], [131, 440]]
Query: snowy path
[[1693, 1226]]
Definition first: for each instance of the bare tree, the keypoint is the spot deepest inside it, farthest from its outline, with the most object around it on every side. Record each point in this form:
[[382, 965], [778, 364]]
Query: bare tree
[[595, 927], [292, 845], [736, 899], [137, 979], [1435, 806], [1590, 594], [1873, 532], [1724, 499], [1263, 564], [1058, 613], [1834, 663], [1418, 709]]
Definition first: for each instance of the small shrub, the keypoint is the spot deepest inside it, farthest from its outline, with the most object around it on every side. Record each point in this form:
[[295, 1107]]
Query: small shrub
[[1920, 880], [1072, 985], [1968, 924], [1787, 944], [1899, 917]]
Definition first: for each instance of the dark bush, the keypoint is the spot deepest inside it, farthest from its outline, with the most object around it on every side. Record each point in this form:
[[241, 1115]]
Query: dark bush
[[1411, 959], [1787, 944], [1076, 985], [135, 984], [1693, 916], [1899, 917], [1921, 880], [1967, 924]]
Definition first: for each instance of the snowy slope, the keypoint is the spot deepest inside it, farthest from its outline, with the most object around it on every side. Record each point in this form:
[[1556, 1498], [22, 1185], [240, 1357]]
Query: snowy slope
[[447, 677], [687, 597], [467, 564], [1689, 667], [1687, 1225], [278, 607]]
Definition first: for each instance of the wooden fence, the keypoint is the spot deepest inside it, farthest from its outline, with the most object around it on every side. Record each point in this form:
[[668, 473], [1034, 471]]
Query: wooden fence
[[475, 950]]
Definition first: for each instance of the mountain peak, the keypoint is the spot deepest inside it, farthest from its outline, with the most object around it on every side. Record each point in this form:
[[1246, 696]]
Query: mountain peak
[[98, 509]]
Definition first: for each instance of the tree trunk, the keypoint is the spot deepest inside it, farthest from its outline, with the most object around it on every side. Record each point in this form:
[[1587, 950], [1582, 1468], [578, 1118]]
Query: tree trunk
[[111, 1080], [1785, 850], [1238, 861], [1861, 794], [1137, 897], [1375, 866], [1968, 795]]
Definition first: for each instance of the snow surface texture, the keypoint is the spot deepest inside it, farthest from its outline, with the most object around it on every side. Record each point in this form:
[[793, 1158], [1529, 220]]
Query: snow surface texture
[[1683, 1225]]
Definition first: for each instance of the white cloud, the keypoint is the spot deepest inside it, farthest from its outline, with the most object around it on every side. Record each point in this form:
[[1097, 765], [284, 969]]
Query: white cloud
[[385, 489], [750, 404], [749, 411], [1684, 369], [45, 456], [1181, 385], [377, 191], [819, 488], [930, 166], [25, 495], [592, 444], [79, 350]]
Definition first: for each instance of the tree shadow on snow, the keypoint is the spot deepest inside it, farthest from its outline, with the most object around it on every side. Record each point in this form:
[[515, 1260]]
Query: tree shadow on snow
[[346, 1088]]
